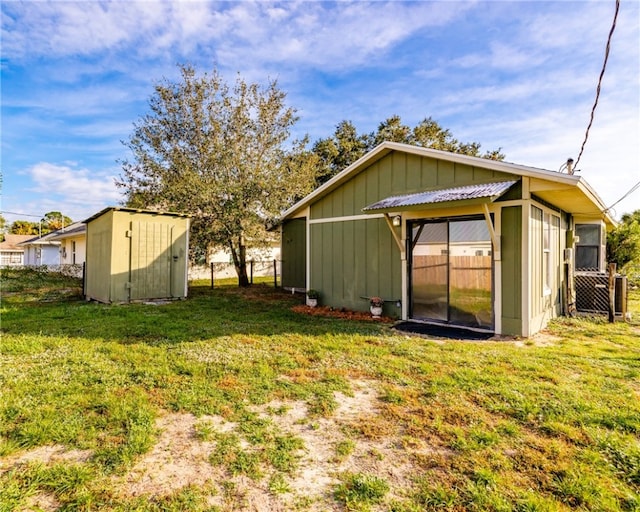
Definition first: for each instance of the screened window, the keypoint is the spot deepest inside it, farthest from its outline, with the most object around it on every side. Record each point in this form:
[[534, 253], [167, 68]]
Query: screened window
[[589, 246]]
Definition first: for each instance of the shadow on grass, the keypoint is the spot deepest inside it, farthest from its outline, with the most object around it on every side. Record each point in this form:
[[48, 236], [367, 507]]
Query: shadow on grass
[[206, 313]]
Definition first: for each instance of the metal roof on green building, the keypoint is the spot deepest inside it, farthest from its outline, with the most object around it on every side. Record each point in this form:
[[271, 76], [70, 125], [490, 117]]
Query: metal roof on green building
[[476, 191]]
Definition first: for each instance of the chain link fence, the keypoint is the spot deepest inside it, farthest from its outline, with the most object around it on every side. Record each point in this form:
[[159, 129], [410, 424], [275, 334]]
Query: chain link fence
[[225, 270]]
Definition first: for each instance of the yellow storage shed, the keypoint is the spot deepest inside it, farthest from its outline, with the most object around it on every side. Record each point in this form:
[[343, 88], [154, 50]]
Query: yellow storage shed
[[135, 255]]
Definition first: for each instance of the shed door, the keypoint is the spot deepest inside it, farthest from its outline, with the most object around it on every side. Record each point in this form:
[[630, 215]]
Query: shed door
[[451, 272], [151, 257], [294, 254]]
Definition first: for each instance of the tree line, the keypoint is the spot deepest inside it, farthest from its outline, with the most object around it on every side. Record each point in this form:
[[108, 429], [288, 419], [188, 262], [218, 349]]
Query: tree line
[[222, 153], [51, 221]]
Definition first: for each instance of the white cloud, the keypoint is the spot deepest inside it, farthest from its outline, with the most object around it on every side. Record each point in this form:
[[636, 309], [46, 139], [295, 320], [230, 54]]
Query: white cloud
[[77, 192], [308, 33], [520, 75]]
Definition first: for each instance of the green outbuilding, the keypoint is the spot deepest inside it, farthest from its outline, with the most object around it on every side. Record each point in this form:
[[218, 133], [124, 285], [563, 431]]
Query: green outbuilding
[[136, 255], [446, 238]]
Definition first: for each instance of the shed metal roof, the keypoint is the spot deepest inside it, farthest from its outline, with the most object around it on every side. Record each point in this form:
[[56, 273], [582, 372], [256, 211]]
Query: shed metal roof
[[489, 191], [134, 210]]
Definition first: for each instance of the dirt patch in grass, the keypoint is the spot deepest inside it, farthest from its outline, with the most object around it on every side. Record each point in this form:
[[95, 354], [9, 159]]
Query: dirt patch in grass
[[180, 456], [51, 454], [539, 339], [177, 460], [331, 446], [42, 502]]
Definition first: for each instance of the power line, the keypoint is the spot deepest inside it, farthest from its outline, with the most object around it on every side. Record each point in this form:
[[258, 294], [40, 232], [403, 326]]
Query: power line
[[604, 66], [22, 214], [629, 192]]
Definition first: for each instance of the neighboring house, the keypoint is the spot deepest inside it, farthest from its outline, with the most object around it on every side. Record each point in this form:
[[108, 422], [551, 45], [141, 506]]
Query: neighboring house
[[267, 254], [445, 238], [11, 252], [136, 255], [72, 243], [41, 250]]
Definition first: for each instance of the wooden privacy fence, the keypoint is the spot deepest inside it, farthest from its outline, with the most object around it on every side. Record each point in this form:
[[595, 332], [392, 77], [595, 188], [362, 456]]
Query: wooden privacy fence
[[467, 272]]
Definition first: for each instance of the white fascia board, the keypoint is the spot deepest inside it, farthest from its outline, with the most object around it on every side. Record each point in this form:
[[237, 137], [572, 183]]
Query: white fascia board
[[595, 199]]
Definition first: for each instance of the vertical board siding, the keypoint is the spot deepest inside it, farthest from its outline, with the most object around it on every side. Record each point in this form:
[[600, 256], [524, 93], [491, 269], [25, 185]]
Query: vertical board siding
[[132, 255], [294, 254], [354, 259], [511, 245], [150, 260], [98, 264], [399, 174], [413, 172], [446, 173], [429, 173], [535, 262], [396, 174], [351, 259], [463, 174]]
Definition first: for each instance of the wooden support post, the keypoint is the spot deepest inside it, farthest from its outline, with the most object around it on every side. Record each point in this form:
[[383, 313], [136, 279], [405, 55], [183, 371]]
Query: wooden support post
[[212, 275], [387, 217], [495, 240], [251, 272], [612, 292], [623, 298]]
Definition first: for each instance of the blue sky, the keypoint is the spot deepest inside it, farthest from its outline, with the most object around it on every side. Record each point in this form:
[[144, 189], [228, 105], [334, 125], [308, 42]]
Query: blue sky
[[517, 75]]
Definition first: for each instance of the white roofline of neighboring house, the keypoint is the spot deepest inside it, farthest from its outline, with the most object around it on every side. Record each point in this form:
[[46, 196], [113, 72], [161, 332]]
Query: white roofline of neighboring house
[[496, 165], [72, 230], [39, 241]]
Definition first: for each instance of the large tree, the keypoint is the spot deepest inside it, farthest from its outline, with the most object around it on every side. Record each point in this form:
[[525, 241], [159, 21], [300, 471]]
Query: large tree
[[623, 245], [346, 145], [219, 153], [24, 227], [52, 221], [340, 150]]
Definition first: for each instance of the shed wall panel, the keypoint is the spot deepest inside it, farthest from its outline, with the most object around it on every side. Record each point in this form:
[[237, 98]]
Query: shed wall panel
[[98, 264], [151, 255]]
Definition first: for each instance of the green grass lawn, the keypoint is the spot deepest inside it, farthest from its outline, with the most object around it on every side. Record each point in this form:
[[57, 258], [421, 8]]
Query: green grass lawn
[[231, 401]]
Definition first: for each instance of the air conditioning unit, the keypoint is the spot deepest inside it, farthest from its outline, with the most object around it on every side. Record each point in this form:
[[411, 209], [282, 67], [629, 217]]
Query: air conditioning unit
[[592, 293]]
